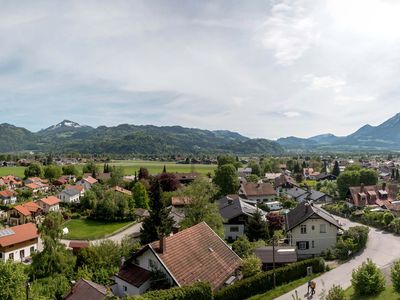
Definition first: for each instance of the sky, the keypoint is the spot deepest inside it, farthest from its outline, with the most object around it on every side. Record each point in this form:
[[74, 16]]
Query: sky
[[265, 69]]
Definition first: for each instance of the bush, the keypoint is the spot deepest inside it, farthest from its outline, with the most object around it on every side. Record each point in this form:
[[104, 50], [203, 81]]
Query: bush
[[395, 275], [352, 241], [336, 293], [198, 291], [251, 266], [263, 281], [368, 279]]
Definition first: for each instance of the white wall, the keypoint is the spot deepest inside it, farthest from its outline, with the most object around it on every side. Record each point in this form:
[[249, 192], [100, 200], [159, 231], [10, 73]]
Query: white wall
[[322, 241], [233, 235], [16, 252], [131, 290]]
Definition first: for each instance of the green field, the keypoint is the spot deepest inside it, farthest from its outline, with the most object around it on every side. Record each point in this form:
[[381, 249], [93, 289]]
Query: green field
[[132, 166], [84, 229]]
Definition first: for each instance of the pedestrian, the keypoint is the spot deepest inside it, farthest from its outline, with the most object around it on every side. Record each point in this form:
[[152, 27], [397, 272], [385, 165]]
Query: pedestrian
[[313, 286], [309, 287]]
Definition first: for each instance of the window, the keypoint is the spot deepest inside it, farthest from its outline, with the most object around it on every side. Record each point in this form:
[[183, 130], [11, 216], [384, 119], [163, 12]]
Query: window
[[302, 245], [312, 227], [1, 255], [125, 288], [322, 228], [234, 229], [11, 256], [303, 229], [312, 244], [32, 249]]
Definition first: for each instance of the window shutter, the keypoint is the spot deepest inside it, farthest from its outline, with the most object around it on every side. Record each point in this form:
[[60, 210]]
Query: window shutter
[[307, 245]]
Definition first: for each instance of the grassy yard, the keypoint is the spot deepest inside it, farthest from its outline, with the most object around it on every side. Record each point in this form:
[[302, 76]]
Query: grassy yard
[[387, 294], [283, 289], [84, 229], [16, 171]]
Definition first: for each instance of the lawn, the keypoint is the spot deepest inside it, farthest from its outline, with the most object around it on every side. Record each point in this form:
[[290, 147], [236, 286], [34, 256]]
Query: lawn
[[17, 171], [84, 229], [283, 289], [387, 294]]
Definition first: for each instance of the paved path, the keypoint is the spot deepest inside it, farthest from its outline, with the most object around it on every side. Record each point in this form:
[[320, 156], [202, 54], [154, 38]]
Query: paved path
[[383, 248], [132, 231]]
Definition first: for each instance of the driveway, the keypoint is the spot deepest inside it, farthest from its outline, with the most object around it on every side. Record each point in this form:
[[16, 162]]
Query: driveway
[[132, 231], [382, 248]]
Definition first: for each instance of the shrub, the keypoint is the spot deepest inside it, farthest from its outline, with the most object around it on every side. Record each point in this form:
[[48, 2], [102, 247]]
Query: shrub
[[263, 281], [368, 279], [198, 291], [395, 275], [336, 293], [353, 240], [251, 266]]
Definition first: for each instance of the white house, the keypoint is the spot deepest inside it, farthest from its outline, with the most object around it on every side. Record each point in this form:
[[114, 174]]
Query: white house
[[72, 194], [312, 229], [18, 242], [257, 192], [87, 182], [7, 197], [49, 204], [194, 254]]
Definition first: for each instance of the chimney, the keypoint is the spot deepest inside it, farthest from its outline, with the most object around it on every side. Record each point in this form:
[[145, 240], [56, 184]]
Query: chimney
[[362, 188], [306, 205], [230, 200], [163, 244], [384, 186]]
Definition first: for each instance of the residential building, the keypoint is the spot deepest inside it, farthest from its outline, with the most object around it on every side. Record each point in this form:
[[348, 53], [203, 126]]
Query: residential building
[[284, 255], [87, 182], [325, 176], [310, 173], [257, 192], [7, 197], [284, 182], [88, 290], [311, 229], [244, 172], [236, 214], [18, 242], [301, 195], [194, 254], [179, 202], [72, 194], [364, 195], [121, 190], [186, 178], [24, 213], [49, 204]]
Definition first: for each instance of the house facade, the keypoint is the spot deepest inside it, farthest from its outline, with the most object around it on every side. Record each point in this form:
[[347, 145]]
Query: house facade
[[8, 197], [49, 204], [22, 214], [18, 242], [257, 192], [311, 229], [72, 194]]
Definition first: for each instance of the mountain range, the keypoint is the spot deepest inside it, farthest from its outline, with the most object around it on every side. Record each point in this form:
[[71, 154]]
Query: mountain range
[[69, 136], [384, 137]]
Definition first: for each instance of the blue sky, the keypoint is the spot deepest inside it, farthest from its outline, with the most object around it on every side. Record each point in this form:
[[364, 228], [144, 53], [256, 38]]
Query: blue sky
[[262, 68]]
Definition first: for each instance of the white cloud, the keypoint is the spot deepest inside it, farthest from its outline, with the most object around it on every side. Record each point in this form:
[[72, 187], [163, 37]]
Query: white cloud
[[291, 114], [324, 82]]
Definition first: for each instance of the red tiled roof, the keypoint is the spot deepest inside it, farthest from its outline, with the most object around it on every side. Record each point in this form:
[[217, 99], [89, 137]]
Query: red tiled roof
[[122, 190], [250, 189], [23, 210], [52, 200], [31, 206], [79, 188], [21, 234], [90, 180], [198, 253], [178, 201], [32, 186], [6, 194], [79, 244]]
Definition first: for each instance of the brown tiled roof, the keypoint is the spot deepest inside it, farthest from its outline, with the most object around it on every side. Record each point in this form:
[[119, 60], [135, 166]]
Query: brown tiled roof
[[250, 189], [122, 190], [32, 186], [6, 194], [23, 210], [133, 274], [371, 192], [31, 206], [180, 201], [21, 234], [283, 179], [78, 244], [87, 290], [90, 180], [79, 188], [198, 253], [52, 200]]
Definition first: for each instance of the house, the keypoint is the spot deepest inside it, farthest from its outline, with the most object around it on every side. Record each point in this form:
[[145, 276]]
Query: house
[[270, 177], [87, 182], [301, 195], [257, 192], [18, 242], [71, 194], [142, 213], [186, 178], [178, 201], [236, 213], [244, 172], [364, 195], [7, 197], [11, 182], [177, 214], [102, 177], [309, 173], [121, 190], [49, 204], [88, 290], [284, 255], [24, 213], [76, 246], [191, 255], [65, 179], [325, 176], [36, 186], [311, 229], [284, 182]]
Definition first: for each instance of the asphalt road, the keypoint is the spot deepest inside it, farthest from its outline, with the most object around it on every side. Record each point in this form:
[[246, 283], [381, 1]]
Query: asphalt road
[[382, 248]]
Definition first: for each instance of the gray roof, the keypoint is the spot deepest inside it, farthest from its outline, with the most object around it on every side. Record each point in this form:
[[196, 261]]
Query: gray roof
[[232, 206], [282, 254], [177, 214], [71, 192], [304, 211], [296, 192], [312, 195]]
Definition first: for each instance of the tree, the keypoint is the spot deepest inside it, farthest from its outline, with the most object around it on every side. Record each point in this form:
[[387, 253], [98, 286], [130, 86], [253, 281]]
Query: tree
[[140, 196], [296, 168], [143, 173], [34, 170], [395, 275], [90, 167], [368, 177], [168, 182], [368, 279], [388, 217], [159, 222], [52, 172], [226, 179], [55, 258], [202, 207], [54, 287], [70, 170], [346, 180], [252, 178], [397, 175], [257, 228], [251, 265], [336, 169], [275, 222], [12, 278], [117, 175], [255, 168], [242, 246], [226, 159], [336, 293]]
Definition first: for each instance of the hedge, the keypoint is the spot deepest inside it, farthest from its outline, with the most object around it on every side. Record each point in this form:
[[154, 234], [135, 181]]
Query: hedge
[[263, 282], [198, 291]]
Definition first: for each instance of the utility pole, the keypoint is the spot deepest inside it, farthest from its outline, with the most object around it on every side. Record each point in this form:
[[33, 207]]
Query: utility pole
[[273, 260], [27, 286]]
